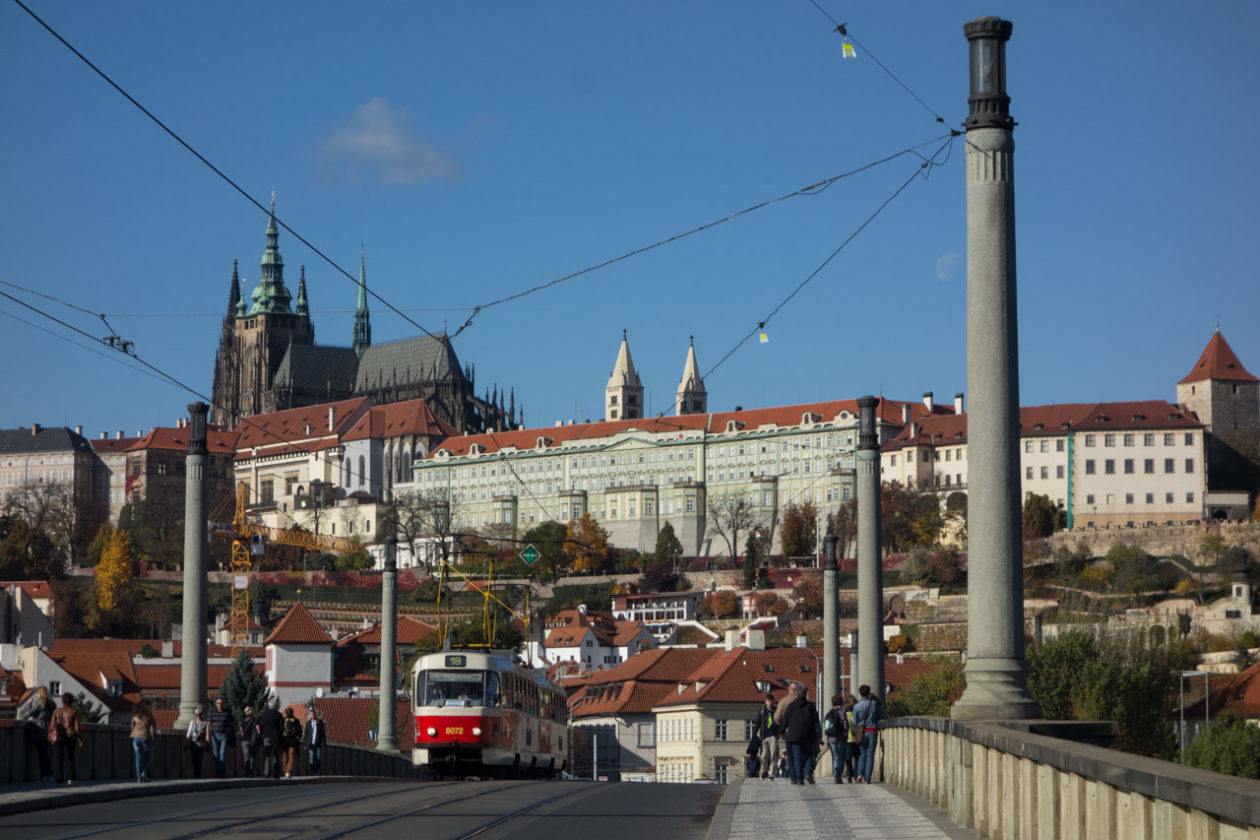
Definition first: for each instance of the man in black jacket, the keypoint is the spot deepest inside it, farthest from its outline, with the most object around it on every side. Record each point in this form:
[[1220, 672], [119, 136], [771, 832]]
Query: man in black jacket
[[767, 731], [270, 724], [313, 739], [800, 730]]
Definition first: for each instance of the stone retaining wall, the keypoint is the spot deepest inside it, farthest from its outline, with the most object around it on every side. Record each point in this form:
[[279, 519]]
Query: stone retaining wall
[[1009, 784], [106, 754]]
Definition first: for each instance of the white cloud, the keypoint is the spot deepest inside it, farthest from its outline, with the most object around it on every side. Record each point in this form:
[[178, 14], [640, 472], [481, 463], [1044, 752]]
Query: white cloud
[[378, 139]]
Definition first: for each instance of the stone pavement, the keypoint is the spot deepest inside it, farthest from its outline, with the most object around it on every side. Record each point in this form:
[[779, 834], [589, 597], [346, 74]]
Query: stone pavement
[[757, 809], [20, 797]]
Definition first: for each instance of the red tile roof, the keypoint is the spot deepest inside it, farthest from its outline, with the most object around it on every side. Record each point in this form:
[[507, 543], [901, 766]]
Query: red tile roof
[[567, 628], [1053, 420], [106, 445], [176, 440], [33, 588], [298, 627], [1218, 362], [889, 411], [413, 417], [349, 719], [637, 684], [1239, 693], [277, 432], [408, 631]]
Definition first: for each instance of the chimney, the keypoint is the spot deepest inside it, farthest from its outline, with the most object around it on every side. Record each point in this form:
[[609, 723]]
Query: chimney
[[756, 638], [78, 430], [104, 435], [905, 413], [927, 401], [168, 649], [958, 403], [332, 418], [914, 430], [732, 637], [118, 435], [35, 427]]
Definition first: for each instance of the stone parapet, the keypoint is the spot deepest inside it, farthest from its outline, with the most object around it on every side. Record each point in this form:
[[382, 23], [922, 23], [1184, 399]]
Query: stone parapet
[[1007, 783]]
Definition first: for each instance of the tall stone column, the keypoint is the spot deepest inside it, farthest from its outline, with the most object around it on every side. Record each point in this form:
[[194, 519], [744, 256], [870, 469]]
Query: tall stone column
[[192, 665], [996, 672], [870, 668], [831, 621], [387, 737]]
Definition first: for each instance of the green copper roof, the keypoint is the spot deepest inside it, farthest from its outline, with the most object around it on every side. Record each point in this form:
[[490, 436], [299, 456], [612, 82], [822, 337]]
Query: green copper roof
[[270, 296]]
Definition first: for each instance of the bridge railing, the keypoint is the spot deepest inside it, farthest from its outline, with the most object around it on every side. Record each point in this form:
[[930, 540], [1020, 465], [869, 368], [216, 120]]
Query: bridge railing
[[1007, 783], [107, 754]]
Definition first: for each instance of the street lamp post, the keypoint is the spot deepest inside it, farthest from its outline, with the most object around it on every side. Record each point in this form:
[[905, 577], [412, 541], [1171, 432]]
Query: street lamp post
[[1182, 676]]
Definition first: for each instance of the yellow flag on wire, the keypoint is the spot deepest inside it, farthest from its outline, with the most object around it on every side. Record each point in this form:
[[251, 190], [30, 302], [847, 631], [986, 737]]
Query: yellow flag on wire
[[765, 339], [849, 52]]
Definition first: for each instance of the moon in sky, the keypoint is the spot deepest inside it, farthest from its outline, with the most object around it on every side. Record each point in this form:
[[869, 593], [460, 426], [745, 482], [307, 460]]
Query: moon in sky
[[948, 266]]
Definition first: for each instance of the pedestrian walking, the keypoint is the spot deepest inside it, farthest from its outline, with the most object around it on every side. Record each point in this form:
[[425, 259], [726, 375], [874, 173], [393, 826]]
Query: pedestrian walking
[[800, 730], [290, 737], [251, 737], [271, 725], [220, 724], [866, 714], [39, 709], [313, 738], [197, 740], [851, 745], [143, 731], [836, 731], [768, 732], [66, 735]]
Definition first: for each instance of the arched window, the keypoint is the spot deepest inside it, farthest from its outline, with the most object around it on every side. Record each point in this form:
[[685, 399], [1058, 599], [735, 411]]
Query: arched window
[[361, 473]]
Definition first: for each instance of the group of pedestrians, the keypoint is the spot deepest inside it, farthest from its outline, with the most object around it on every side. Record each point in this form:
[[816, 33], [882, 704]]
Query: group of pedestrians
[[57, 728], [277, 736], [788, 736]]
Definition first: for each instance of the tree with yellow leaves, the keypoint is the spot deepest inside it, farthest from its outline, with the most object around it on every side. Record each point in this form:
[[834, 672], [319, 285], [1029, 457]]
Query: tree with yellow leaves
[[116, 574], [586, 544]]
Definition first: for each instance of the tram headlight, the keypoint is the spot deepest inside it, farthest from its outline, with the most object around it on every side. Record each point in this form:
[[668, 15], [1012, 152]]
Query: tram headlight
[[431, 732], [476, 731]]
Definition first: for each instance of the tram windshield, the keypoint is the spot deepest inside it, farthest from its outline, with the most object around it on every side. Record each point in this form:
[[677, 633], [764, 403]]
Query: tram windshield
[[456, 688]]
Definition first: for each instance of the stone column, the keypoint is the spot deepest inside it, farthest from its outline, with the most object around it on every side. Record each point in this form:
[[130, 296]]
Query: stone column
[[831, 621], [192, 665], [387, 739], [870, 562], [995, 669]]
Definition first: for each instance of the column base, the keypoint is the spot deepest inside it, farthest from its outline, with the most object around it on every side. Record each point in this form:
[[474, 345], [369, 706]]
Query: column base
[[997, 689]]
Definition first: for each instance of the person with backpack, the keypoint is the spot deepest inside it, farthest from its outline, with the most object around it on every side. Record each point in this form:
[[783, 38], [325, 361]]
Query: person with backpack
[[836, 731], [767, 733], [800, 730], [851, 748], [866, 714], [290, 737], [66, 736]]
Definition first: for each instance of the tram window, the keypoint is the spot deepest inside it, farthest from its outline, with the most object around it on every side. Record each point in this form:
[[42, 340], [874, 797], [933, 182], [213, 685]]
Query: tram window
[[451, 688], [493, 698]]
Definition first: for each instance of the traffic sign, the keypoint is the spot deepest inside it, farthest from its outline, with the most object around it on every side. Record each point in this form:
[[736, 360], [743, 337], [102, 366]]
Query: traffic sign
[[530, 555]]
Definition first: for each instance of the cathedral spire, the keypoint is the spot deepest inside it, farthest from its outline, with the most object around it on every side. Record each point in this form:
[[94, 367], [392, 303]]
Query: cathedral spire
[[691, 397], [623, 395], [234, 293], [270, 296], [303, 307], [362, 326]]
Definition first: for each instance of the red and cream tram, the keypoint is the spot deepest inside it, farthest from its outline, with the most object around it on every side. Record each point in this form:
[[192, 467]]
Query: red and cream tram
[[477, 714]]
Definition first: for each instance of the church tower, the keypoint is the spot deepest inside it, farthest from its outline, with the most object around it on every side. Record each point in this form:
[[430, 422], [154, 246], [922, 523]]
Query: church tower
[[362, 326], [1225, 398], [263, 328], [691, 398], [623, 396]]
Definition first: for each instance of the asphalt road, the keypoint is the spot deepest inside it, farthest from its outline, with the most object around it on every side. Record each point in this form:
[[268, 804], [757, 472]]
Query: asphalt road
[[375, 811]]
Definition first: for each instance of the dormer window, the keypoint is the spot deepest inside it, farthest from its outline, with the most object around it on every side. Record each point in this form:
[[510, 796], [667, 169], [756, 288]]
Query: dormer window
[[734, 425], [810, 417], [113, 688]]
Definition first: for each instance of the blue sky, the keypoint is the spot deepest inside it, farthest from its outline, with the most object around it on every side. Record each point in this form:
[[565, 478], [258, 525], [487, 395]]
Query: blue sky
[[478, 149]]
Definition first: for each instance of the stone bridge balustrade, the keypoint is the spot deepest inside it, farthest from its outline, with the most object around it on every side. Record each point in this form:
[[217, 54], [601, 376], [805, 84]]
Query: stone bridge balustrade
[[1007, 783]]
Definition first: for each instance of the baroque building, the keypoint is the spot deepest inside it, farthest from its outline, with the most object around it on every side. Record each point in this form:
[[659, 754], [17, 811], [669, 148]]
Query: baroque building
[[268, 360]]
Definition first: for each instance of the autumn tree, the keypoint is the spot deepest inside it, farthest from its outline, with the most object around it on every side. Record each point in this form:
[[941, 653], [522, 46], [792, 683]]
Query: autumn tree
[[668, 546], [798, 530], [114, 588], [731, 516], [909, 517], [723, 604], [844, 525], [586, 544]]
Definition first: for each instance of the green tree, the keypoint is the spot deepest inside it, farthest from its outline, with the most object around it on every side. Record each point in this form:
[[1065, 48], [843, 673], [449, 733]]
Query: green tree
[[244, 685], [89, 710], [932, 693], [260, 598], [98, 543], [1130, 568], [28, 552], [910, 517], [1041, 517], [1229, 745], [548, 537], [752, 559], [668, 546]]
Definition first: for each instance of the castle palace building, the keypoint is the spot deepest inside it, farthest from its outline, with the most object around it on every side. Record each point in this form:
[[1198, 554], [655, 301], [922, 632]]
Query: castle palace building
[[268, 360]]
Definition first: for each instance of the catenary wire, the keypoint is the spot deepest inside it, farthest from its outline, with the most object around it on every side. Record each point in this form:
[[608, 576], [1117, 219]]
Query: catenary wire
[[813, 189], [80, 345], [218, 171]]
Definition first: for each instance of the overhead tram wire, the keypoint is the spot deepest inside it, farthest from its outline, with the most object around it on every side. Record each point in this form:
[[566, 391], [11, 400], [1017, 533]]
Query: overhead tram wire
[[843, 29], [813, 189], [218, 171], [81, 346]]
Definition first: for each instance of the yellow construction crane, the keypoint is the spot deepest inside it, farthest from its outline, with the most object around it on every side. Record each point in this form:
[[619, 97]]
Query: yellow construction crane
[[250, 537]]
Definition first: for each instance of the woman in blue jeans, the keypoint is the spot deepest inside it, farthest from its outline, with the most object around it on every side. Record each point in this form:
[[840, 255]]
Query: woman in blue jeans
[[142, 732], [866, 715]]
